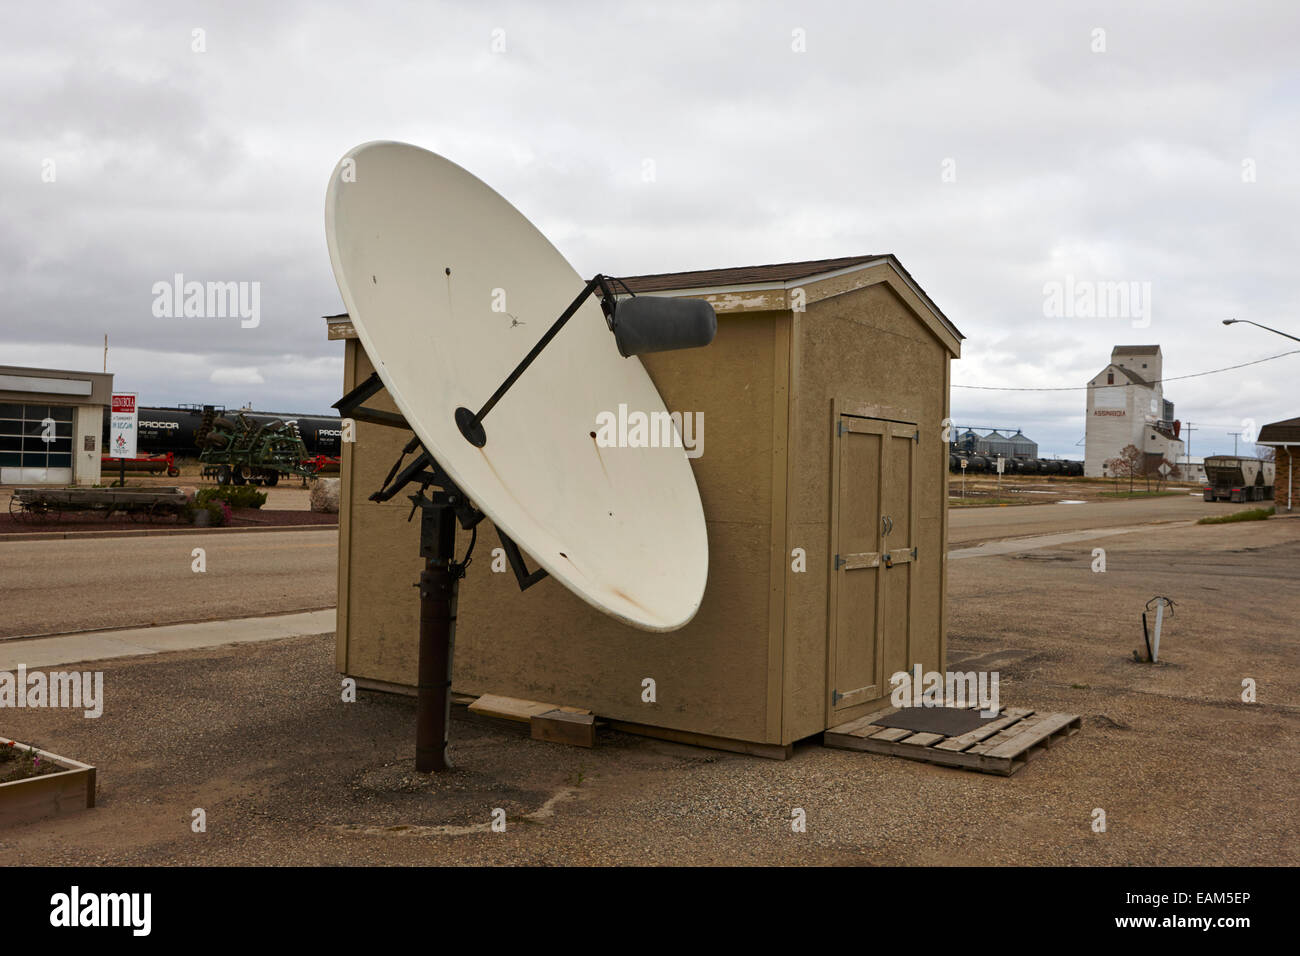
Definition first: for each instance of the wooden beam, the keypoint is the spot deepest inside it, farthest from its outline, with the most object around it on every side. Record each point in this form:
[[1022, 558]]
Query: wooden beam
[[561, 727]]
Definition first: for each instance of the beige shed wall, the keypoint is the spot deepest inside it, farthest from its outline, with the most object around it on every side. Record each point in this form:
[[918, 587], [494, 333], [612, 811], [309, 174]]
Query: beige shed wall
[[712, 676], [752, 666], [866, 351]]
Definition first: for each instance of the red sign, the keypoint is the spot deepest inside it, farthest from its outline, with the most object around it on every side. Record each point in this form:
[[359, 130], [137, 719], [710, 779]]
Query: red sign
[[124, 404]]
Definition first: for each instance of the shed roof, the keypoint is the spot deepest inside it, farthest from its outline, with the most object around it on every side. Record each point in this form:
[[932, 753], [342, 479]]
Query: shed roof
[[743, 275], [781, 274], [773, 275], [1286, 432]]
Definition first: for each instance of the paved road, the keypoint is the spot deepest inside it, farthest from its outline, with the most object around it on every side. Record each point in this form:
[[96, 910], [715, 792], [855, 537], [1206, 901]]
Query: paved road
[[62, 585], [58, 586], [970, 526]]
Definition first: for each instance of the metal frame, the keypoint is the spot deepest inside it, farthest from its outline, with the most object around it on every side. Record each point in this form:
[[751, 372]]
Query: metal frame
[[471, 423], [441, 504]]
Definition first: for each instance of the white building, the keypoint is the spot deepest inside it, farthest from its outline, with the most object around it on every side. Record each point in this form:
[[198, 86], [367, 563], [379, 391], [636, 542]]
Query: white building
[[50, 422], [1126, 406]]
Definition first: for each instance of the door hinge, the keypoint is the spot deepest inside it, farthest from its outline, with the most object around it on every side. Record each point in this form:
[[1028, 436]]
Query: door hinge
[[916, 436], [839, 429], [840, 562], [836, 697], [914, 554]]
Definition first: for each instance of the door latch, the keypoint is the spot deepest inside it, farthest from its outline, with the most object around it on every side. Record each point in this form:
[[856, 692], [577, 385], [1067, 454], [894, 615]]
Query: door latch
[[888, 560]]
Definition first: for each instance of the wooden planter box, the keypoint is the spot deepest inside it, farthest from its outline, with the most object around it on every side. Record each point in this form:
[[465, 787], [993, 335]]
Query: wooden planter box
[[50, 794]]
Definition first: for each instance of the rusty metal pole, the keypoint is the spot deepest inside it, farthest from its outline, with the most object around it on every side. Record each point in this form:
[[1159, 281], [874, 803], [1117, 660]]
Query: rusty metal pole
[[437, 625]]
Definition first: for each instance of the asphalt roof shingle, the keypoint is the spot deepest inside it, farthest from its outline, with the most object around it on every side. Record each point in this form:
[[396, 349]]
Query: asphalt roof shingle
[[1285, 432], [742, 275]]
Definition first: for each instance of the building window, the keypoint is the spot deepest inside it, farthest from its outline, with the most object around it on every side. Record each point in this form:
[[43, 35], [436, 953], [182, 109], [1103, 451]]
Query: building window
[[1110, 378], [36, 436]]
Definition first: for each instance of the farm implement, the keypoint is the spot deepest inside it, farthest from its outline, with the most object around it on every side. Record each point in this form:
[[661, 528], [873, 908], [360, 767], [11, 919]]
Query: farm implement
[[243, 451]]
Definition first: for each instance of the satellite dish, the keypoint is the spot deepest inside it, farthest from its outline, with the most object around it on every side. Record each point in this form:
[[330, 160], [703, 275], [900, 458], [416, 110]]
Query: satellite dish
[[448, 287]]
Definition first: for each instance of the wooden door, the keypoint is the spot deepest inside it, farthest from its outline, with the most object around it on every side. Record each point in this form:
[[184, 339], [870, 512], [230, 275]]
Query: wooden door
[[873, 533]]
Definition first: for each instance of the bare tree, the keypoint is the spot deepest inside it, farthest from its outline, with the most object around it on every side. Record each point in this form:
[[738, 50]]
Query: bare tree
[[1127, 465]]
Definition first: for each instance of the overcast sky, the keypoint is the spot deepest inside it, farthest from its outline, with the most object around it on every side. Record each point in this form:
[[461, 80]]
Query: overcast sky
[[994, 148]]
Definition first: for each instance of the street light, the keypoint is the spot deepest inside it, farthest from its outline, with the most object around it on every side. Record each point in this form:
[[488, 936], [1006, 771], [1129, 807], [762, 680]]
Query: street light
[[1258, 326]]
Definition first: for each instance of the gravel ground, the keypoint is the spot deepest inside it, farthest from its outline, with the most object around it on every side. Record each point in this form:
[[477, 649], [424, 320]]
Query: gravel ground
[[259, 738]]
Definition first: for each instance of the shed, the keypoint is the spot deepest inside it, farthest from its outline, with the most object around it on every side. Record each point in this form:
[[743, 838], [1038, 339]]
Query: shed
[[823, 479]]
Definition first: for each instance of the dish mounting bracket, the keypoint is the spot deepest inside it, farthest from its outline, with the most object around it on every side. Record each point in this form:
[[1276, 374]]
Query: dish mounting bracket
[[470, 423], [350, 406], [425, 471]]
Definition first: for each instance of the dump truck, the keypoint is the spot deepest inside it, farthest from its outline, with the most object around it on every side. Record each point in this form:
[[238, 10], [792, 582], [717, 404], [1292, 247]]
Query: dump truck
[[1230, 478]]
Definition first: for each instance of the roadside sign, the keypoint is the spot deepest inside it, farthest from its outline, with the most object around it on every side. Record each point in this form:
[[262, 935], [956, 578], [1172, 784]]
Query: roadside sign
[[122, 427], [1164, 470], [1001, 464], [963, 464]]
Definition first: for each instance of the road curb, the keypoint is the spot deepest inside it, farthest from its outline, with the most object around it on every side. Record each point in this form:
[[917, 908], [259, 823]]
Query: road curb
[[160, 533], [142, 627], [73, 648]]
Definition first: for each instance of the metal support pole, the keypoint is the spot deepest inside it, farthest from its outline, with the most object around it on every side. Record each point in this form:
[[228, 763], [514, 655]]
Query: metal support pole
[[471, 423], [437, 634]]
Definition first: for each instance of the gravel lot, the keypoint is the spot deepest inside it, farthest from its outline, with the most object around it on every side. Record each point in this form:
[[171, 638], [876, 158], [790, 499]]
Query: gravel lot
[[258, 737]]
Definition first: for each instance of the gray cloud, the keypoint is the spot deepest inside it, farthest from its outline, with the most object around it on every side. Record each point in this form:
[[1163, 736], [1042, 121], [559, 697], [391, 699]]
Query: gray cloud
[[1117, 166]]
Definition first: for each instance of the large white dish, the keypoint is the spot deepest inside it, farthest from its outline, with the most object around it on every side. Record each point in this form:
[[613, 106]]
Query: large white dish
[[621, 527]]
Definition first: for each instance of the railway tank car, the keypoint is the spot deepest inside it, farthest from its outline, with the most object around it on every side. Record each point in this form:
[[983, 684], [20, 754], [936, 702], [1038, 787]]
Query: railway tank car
[[986, 464], [174, 429]]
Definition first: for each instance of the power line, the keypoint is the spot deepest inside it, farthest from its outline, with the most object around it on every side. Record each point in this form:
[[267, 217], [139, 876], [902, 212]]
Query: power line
[[1084, 388]]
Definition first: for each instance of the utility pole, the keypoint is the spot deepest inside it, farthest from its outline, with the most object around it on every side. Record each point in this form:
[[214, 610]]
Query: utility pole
[[1234, 442], [1188, 453], [105, 351]]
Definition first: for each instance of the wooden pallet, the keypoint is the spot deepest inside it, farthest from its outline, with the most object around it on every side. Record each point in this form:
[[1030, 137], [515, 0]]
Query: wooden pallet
[[1001, 746]]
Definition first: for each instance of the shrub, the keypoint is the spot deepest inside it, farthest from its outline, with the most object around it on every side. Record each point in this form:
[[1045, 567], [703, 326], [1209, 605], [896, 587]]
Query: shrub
[[217, 512], [237, 496], [1254, 514]]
